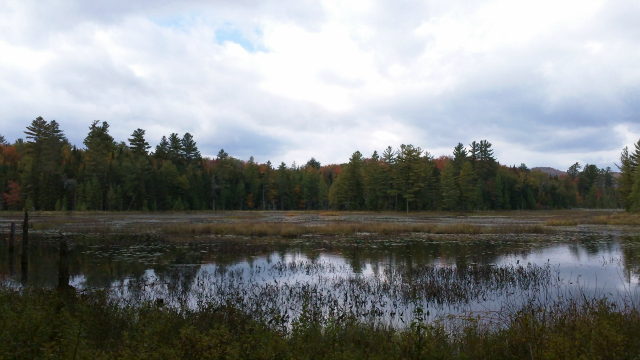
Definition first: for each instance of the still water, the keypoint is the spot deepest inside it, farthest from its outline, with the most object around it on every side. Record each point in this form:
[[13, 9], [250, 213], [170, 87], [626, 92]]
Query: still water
[[379, 280]]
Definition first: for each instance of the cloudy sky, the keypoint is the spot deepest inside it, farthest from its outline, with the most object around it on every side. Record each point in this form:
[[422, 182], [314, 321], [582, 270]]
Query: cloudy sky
[[548, 83]]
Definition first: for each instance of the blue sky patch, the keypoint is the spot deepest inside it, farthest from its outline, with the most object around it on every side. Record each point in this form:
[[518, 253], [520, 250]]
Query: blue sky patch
[[228, 33], [180, 22]]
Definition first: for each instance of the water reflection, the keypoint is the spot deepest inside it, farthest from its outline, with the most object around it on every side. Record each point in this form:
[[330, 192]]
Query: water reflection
[[385, 278]]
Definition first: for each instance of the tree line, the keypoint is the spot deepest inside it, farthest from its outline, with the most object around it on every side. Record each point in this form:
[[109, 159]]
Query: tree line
[[46, 172]]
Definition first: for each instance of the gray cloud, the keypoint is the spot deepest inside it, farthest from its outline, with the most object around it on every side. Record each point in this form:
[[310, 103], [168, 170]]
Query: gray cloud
[[433, 74]]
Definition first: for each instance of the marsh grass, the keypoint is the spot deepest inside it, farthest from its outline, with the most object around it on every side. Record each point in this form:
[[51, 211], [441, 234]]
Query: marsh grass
[[330, 213], [562, 222], [595, 219], [291, 230], [91, 325]]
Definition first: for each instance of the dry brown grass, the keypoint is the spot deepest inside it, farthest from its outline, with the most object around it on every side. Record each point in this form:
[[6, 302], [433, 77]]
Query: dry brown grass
[[561, 222], [595, 219], [330, 213], [295, 230]]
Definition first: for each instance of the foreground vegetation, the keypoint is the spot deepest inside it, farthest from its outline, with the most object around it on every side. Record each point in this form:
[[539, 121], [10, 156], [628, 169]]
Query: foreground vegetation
[[90, 325]]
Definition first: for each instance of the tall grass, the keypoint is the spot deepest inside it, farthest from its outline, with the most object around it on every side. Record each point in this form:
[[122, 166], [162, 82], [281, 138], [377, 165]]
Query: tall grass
[[91, 325]]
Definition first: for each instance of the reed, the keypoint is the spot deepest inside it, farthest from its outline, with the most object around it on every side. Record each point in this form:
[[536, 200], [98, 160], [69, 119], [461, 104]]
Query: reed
[[91, 325]]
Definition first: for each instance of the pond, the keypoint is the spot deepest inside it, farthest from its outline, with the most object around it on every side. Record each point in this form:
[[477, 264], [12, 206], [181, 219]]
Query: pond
[[372, 278]]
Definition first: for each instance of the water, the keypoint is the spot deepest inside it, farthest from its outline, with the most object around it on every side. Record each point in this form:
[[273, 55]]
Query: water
[[386, 280]]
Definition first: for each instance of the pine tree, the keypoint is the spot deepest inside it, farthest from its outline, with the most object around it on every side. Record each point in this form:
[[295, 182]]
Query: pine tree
[[389, 158], [137, 143], [409, 172], [467, 184], [498, 192], [373, 182], [175, 148], [43, 163], [574, 171], [634, 196], [448, 187], [627, 176], [354, 181], [313, 163], [459, 158], [189, 151], [162, 149], [282, 186], [99, 147]]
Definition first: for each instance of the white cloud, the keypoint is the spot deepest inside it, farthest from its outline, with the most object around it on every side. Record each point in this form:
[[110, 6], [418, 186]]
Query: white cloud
[[548, 83]]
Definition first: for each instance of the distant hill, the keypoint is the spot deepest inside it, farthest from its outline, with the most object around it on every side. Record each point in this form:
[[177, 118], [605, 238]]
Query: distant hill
[[549, 170]]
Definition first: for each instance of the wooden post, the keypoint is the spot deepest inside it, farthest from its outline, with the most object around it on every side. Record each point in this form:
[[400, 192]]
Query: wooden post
[[12, 246], [24, 261], [12, 238], [25, 233]]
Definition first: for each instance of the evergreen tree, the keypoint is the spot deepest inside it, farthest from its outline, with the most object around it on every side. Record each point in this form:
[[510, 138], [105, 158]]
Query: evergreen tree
[[474, 152], [354, 182], [430, 181], [189, 150], [574, 170], [175, 148], [310, 187], [459, 158], [162, 149], [467, 184], [252, 183], [282, 186], [634, 196], [223, 176], [374, 183], [626, 180], [137, 143], [389, 158], [448, 187], [409, 172], [485, 164], [99, 147], [313, 163], [323, 193], [498, 193], [43, 163]]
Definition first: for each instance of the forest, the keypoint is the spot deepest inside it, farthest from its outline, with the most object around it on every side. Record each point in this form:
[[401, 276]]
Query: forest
[[45, 172]]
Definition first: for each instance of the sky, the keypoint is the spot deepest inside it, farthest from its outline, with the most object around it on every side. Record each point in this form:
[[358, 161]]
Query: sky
[[548, 83]]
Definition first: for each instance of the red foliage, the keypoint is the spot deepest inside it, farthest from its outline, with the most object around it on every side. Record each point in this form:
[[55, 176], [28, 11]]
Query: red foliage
[[12, 198], [9, 155], [442, 161]]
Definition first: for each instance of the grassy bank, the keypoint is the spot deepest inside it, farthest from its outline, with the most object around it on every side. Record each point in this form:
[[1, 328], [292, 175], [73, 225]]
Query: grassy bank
[[50, 323]]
